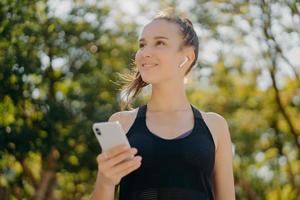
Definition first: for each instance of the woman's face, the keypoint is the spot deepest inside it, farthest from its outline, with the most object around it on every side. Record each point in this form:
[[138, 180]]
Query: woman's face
[[158, 56]]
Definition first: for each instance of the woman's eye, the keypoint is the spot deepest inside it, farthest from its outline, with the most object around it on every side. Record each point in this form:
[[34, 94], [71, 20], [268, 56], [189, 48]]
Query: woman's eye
[[160, 43], [141, 45]]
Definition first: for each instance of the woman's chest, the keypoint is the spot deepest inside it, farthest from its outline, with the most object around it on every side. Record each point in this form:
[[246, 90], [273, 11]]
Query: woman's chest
[[169, 127], [196, 152]]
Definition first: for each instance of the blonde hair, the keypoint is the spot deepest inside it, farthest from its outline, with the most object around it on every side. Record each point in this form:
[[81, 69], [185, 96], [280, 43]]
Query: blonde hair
[[131, 87]]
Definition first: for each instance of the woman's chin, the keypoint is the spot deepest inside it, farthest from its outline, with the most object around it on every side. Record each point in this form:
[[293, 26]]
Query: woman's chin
[[149, 80]]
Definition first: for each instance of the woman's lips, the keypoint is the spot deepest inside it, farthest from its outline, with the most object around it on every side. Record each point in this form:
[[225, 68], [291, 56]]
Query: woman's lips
[[149, 65]]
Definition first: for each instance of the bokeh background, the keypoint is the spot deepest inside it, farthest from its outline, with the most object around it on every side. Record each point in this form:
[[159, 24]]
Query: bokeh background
[[59, 64]]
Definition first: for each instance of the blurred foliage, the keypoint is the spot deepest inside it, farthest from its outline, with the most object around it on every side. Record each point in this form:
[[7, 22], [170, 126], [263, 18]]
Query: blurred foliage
[[57, 77], [254, 85]]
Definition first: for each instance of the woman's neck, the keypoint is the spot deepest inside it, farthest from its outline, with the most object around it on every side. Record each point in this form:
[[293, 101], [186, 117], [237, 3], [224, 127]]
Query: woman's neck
[[168, 98]]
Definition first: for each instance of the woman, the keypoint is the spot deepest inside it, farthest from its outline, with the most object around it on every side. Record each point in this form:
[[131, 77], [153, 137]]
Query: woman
[[180, 152]]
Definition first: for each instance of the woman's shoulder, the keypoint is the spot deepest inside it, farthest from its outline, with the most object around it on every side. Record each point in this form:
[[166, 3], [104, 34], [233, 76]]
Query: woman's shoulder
[[126, 118], [217, 125], [121, 115], [214, 117]]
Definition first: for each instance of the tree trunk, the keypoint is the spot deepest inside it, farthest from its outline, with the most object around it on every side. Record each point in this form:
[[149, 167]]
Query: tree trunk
[[48, 177]]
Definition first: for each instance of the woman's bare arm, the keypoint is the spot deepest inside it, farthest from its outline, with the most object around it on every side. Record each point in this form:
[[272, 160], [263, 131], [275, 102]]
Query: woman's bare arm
[[110, 171], [223, 171], [102, 192]]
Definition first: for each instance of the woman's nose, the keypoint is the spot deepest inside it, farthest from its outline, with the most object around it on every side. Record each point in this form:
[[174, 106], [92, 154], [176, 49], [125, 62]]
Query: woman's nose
[[146, 52]]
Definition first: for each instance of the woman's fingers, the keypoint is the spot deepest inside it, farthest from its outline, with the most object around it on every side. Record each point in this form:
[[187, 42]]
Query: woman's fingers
[[121, 157], [112, 152], [136, 163], [127, 164], [114, 164]]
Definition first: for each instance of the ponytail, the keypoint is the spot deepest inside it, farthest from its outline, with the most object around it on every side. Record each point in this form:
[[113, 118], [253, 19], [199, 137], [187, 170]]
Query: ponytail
[[132, 86]]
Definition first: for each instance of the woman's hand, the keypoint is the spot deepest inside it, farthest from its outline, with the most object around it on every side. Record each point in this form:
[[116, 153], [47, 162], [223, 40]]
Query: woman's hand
[[113, 166]]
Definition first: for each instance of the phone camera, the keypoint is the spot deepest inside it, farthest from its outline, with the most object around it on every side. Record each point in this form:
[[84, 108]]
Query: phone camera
[[98, 131]]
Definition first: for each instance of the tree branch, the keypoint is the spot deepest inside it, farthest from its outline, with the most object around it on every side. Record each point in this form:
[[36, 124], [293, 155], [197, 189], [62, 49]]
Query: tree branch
[[272, 71], [48, 176], [28, 173]]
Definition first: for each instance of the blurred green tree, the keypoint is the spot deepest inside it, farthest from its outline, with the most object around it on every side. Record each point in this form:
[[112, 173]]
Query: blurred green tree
[[56, 79], [255, 85]]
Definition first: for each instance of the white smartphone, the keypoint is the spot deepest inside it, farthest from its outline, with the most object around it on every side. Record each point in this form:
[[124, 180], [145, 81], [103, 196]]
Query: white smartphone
[[110, 134]]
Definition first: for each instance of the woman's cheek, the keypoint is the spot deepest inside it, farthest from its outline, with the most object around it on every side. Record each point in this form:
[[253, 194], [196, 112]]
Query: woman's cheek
[[137, 61]]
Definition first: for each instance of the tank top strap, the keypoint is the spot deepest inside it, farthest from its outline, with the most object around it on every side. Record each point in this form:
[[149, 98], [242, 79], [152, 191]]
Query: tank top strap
[[139, 121], [142, 111], [197, 113]]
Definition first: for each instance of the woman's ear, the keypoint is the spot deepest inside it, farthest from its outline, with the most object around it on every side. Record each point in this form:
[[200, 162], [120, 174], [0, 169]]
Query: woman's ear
[[185, 60], [190, 54]]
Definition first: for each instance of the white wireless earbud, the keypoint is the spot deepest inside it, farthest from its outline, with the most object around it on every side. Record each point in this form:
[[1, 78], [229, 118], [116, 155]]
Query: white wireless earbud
[[185, 60]]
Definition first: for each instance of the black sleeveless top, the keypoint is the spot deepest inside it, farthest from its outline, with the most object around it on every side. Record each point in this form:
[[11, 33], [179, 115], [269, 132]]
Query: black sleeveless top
[[171, 169]]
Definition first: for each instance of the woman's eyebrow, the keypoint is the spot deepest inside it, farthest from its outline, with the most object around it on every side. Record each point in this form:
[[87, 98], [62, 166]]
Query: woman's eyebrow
[[156, 37]]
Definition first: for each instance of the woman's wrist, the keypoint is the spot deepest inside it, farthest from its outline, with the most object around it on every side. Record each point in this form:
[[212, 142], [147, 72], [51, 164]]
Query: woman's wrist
[[105, 186], [103, 191]]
